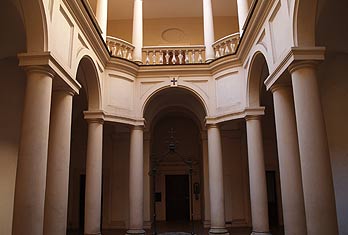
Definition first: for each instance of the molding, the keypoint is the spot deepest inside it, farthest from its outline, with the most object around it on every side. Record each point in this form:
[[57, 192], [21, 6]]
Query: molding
[[123, 65], [250, 111], [256, 21], [132, 121], [87, 25], [295, 55], [47, 59]]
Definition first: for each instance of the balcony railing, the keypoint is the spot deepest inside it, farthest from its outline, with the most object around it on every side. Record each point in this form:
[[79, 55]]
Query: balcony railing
[[120, 48], [171, 55], [226, 45]]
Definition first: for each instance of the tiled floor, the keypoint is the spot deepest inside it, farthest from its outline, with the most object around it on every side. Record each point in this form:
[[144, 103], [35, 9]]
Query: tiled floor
[[184, 227]]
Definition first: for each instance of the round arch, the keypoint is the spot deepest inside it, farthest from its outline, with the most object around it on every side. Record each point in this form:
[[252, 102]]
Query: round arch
[[35, 22], [87, 75], [304, 19], [173, 100], [258, 72], [158, 89]]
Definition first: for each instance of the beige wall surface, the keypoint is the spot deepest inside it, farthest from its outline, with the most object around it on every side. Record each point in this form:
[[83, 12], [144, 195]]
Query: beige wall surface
[[11, 104], [173, 31], [333, 85]]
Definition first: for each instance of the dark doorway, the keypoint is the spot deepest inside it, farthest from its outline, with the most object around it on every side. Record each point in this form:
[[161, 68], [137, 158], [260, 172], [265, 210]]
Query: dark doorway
[[272, 198], [177, 198], [82, 203]]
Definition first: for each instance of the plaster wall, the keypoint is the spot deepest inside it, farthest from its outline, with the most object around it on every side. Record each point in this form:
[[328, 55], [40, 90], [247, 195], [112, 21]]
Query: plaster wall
[[190, 30], [333, 85], [12, 88]]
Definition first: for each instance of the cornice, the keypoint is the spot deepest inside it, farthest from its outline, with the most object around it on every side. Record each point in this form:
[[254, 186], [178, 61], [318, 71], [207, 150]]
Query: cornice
[[296, 54], [164, 70], [255, 22], [89, 28], [123, 65], [47, 59], [224, 63], [124, 119], [250, 111], [107, 117]]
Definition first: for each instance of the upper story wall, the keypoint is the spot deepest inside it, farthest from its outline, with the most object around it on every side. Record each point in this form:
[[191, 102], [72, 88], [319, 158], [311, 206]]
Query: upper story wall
[[188, 31]]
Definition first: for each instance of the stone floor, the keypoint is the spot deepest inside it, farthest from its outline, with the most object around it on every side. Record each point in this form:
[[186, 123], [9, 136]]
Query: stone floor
[[165, 227]]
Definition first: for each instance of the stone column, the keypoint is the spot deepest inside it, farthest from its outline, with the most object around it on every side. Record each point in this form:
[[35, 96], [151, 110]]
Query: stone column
[[102, 16], [137, 38], [57, 183], [136, 187], [257, 176], [289, 161], [29, 198], [208, 30], [317, 181], [147, 184], [216, 184], [206, 221], [243, 9], [93, 176]]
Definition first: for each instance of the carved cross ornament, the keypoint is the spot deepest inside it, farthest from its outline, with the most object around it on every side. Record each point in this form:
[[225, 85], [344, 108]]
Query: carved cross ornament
[[174, 81]]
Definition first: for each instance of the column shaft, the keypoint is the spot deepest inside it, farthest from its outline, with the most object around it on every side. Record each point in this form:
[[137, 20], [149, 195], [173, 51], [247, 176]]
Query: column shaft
[[317, 182], [206, 182], [208, 23], [102, 16], [289, 162], [257, 177], [93, 177], [29, 199], [216, 185], [136, 187], [137, 38], [56, 200], [243, 9]]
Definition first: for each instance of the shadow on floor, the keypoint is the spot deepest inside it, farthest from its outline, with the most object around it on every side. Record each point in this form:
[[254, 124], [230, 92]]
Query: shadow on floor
[[198, 229]]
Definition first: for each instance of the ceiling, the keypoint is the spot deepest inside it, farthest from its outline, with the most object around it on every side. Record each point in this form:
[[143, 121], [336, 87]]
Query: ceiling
[[123, 9]]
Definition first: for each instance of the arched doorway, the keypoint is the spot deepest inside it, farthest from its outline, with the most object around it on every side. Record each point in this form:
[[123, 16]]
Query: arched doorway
[[88, 99], [258, 96], [175, 118]]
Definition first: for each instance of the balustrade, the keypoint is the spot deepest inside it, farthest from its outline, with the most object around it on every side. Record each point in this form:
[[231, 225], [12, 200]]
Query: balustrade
[[173, 55], [120, 48], [226, 45]]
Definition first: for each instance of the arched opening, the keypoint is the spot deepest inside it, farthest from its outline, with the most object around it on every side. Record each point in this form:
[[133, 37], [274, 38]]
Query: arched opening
[[12, 89], [304, 22], [259, 96], [333, 86], [175, 119], [88, 99]]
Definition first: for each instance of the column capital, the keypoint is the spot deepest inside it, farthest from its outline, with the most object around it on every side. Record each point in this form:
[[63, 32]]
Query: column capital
[[213, 125], [137, 127], [66, 90], [41, 69], [46, 63], [303, 64], [253, 117], [97, 116], [279, 86]]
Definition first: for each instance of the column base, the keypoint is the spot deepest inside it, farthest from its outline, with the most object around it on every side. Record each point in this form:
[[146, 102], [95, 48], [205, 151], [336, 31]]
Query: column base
[[260, 233], [218, 231], [135, 231]]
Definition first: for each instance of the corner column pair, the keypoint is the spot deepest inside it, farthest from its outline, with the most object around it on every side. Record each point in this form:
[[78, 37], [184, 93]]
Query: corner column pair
[[304, 161]]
